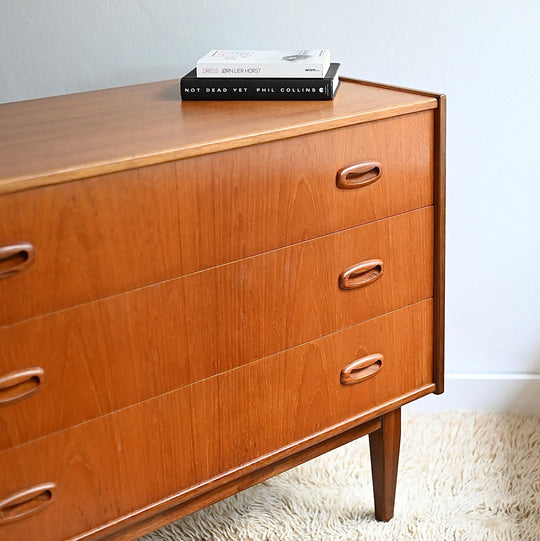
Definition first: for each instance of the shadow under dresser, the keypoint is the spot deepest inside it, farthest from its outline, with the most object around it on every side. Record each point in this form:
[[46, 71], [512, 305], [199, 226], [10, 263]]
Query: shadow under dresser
[[196, 296]]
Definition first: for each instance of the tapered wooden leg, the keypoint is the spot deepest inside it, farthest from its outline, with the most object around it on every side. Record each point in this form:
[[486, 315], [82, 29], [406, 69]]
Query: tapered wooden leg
[[384, 449]]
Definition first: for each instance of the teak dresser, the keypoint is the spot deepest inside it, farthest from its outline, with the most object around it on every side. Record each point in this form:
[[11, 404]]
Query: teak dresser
[[197, 296]]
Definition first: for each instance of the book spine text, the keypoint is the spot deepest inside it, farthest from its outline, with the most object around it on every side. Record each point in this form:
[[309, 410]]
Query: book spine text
[[212, 89]]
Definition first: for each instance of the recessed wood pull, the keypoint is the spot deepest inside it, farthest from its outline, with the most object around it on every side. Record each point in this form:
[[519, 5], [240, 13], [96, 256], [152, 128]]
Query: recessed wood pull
[[15, 258], [20, 384], [26, 502], [361, 174], [361, 275], [362, 369]]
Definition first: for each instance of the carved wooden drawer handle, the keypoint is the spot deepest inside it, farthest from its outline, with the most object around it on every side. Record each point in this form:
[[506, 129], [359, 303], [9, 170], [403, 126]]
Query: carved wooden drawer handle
[[361, 275], [361, 174], [20, 384], [26, 502], [362, 369], [15, 258]]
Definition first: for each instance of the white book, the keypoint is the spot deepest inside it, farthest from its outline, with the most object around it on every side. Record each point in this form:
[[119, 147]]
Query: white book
[[305, 63]]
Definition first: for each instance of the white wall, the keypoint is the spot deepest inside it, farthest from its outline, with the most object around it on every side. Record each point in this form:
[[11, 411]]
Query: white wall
[[482, 54]]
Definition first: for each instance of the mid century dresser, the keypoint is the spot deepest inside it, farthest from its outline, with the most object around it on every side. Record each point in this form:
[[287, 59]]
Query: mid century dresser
[[197, 296]]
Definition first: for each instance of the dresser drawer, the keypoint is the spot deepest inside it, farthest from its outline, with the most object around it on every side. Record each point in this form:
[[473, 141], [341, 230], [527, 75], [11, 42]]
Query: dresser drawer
[[115, 465], [94, 238], [108, 354]]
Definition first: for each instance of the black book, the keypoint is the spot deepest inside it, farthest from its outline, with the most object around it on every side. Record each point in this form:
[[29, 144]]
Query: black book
[[215, 88]]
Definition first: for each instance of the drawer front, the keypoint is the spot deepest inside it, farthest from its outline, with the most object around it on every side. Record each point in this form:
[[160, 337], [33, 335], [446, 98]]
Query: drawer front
[[124, 461], [106, 235], [106, 355]]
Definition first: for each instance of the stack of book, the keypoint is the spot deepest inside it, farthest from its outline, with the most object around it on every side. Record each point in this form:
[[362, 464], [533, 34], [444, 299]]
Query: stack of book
[[262, 75]]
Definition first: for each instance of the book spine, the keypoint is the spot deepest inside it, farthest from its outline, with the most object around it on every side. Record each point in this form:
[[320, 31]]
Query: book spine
[[235, 71], [255, 89]]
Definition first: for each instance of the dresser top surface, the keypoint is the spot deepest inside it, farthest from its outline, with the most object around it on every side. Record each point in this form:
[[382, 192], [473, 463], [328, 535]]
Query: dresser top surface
[[53, 140]]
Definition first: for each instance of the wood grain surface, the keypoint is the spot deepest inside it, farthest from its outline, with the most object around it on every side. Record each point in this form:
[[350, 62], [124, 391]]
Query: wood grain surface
[[439, 260], [64, 138], [175, 318], [201, 432], [384, 450], [108, 354], [111, 234]]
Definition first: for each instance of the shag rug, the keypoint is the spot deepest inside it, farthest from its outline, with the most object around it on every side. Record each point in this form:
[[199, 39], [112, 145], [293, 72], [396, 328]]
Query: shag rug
[[462, 477]]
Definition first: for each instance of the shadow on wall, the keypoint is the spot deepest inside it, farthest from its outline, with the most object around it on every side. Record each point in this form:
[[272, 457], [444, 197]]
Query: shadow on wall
[[526, 397]]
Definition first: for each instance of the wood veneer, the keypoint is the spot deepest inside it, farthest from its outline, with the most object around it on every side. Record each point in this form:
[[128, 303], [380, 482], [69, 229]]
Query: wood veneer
[[212, 427], [101, 236], [66, 138], [177, 278], [439, 203], [231, 315]]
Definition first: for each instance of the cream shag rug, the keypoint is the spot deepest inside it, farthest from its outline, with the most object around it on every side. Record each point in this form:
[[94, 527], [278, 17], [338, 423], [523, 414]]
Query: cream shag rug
[[462, 477]]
